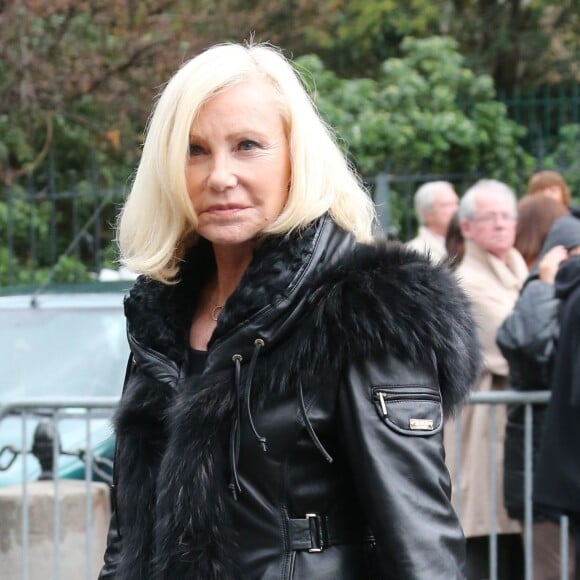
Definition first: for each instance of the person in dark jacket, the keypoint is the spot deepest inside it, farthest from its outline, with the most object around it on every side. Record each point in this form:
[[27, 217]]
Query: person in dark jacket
[[528, 339], [282, 412], [557, 477]]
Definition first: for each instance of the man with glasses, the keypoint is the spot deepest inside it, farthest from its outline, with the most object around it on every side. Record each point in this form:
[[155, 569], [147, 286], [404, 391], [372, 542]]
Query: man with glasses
[[492, 273]]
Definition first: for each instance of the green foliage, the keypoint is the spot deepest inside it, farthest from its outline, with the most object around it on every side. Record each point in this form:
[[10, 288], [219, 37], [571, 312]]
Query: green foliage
[[519, 43], [366, 33], [566, 158], [426, 110], [12, 272], [24, 221], [69, 269], [111, 256], [9, 269], [39, 229], [76, 79]]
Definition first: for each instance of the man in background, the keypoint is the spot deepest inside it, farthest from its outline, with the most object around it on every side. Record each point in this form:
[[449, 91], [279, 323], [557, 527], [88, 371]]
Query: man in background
[[435, 204], [492, 273]]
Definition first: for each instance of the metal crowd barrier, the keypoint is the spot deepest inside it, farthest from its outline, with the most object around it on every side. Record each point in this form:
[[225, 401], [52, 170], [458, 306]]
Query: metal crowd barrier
[[56, 412], [89, 409], [529, 399]]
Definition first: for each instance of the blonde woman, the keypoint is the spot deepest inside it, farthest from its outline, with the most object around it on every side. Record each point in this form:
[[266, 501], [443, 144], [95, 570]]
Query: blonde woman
[[282, 412]]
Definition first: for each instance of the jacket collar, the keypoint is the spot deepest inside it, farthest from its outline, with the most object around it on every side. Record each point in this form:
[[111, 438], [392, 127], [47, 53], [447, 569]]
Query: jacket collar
[[511, 274], [269, 298]]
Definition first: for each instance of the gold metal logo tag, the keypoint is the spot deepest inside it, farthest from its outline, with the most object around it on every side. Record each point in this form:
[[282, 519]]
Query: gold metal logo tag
[[421, 424]]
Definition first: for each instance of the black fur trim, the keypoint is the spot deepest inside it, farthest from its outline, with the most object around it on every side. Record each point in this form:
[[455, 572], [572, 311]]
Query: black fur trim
[[379, 298], [193, 535], [160, 315], [387, 299], [141, 428]]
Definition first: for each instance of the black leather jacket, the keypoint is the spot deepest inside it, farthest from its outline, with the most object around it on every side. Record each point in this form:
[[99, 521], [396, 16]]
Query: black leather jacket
[[311, 446]]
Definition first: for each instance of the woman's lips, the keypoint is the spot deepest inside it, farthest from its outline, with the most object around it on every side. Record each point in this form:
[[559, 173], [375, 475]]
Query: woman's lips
[[224, 210]]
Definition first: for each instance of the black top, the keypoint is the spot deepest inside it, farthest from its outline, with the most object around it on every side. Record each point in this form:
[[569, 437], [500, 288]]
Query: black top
[[195, 361]]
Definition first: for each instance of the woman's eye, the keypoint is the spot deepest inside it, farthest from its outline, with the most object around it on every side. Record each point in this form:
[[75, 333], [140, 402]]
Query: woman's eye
[[247, 145], [195, 150]]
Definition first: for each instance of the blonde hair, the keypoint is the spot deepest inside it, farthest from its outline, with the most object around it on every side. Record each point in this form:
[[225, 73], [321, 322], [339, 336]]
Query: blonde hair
[[158, 221]]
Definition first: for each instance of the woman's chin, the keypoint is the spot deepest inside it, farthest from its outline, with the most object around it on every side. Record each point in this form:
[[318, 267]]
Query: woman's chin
[[231, 240]]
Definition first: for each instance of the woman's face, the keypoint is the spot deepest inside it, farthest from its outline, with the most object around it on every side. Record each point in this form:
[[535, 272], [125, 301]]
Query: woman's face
[[238, 172]]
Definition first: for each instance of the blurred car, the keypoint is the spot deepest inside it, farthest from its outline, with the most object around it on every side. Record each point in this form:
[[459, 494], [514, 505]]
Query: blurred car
[[67, 342]]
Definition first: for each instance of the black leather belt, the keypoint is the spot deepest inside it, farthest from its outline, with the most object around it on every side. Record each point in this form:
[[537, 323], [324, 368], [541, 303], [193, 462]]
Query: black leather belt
[[315, 532]]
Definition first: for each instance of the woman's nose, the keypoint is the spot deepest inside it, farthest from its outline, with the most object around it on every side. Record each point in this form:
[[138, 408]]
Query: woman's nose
[[222, 175]]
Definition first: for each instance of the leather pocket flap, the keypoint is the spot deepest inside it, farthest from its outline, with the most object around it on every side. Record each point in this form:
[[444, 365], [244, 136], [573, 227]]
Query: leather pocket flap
[[409, 410]]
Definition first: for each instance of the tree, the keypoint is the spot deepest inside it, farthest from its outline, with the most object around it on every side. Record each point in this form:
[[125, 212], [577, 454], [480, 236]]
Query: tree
[[357, 35], [519, 42], [78, 77], [425, 110]]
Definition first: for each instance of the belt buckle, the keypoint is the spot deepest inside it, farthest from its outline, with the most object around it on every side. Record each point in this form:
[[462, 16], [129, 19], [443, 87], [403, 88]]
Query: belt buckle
[[314, 520]]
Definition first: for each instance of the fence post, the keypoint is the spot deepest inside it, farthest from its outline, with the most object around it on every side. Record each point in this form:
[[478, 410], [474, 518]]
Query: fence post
[[52, 197], [97, 225], [10, 235], [75, 215], [382, 200], [34, 552], [31, 199]]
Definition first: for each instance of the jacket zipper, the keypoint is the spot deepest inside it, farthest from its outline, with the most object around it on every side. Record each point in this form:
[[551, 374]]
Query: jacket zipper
[[383, 396]]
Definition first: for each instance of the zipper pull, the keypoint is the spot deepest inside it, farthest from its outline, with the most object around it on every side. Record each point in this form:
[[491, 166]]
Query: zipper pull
[[383, 404]]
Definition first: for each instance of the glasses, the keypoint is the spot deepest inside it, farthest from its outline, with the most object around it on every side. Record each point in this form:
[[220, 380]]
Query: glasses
[[488, 218]]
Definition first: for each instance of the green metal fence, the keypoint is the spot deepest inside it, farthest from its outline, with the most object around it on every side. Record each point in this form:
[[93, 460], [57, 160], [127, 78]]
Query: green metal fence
[[49, 234], [393, 197], [543, 112]]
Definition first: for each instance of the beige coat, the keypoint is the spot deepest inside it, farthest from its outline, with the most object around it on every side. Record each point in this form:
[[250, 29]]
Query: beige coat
[[428, 243], [493, 288]]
